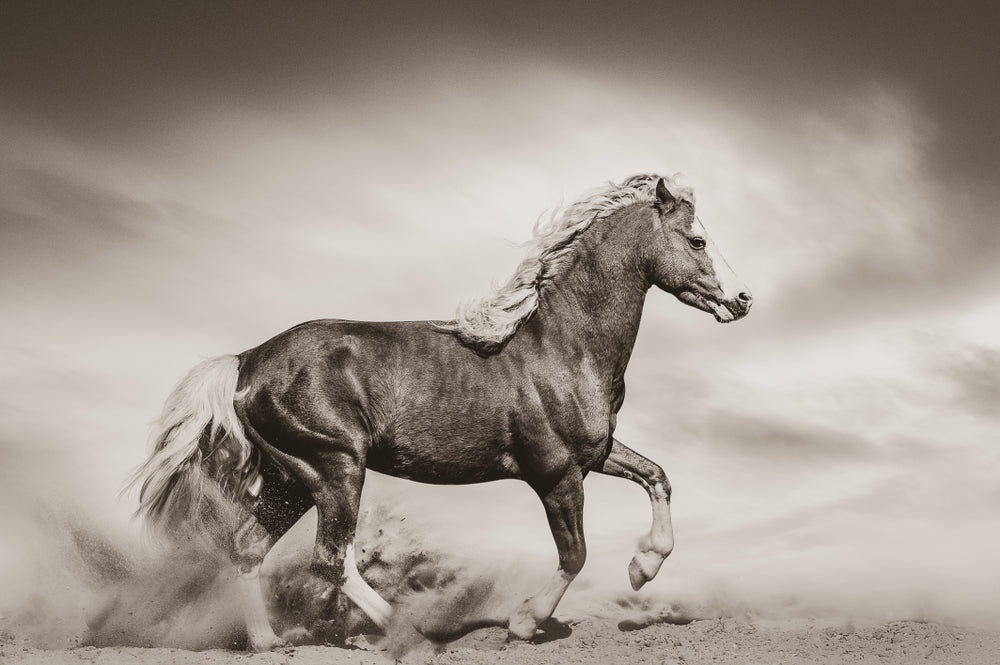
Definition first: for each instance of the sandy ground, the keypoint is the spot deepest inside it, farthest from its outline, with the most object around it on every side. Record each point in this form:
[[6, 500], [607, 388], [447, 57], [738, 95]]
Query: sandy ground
[[601, 641], [98, 601]]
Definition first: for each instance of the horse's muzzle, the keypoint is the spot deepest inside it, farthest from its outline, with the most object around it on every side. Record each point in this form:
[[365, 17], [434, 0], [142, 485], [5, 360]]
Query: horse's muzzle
[[740, 305]]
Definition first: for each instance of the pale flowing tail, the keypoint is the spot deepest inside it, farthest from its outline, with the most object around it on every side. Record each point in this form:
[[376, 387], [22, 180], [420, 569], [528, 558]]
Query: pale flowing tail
[[201, 458]]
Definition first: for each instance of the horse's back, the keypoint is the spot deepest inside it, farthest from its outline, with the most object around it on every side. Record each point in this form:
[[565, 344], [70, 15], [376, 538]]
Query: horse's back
[[332, 343], [419, 403], [334, 363]]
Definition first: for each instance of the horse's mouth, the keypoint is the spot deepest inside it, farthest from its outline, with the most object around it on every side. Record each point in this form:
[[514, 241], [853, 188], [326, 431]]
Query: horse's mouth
[[727, 311], [724, 311]]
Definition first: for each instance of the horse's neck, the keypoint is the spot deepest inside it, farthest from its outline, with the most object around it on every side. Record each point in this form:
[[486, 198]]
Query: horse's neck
[[594, 307]]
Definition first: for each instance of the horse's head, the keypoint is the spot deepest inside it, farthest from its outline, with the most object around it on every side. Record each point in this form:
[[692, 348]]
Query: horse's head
[[681, 259]]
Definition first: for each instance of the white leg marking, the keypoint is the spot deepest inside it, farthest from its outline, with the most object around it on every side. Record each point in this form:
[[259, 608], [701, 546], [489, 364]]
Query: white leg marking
[[362, 595], [655, 547], [524, 622], [259, 632]]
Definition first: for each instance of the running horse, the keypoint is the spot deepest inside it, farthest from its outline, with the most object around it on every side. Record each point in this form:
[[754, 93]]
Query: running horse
[[525, 383]]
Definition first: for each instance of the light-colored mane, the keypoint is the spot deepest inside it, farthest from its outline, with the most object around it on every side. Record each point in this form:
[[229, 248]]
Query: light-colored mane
[[489, 322]]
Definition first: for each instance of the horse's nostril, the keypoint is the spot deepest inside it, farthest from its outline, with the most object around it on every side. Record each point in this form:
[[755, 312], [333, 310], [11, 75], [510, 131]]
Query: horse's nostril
[[745, 298]]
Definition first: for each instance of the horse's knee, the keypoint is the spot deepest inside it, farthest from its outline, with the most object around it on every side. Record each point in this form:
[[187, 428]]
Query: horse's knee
[[248, 546], [658, 476], [659, 484]]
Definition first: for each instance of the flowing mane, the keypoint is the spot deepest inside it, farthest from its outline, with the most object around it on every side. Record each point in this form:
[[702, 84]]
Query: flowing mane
[[487, 323]]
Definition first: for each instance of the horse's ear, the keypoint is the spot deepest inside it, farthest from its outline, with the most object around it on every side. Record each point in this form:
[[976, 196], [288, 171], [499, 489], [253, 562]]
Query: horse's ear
[[665, 201]]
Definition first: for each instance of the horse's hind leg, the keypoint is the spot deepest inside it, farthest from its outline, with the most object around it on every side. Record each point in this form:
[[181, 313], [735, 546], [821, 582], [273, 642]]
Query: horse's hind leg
[[563, 503], [279, 504], [335, 482], [251, 543], [654, 548]]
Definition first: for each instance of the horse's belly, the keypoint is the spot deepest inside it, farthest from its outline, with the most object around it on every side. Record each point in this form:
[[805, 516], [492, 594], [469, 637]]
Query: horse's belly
[[453, 460]]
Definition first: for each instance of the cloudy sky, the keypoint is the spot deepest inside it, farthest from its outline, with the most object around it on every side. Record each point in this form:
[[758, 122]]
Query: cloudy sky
[[182, 181]]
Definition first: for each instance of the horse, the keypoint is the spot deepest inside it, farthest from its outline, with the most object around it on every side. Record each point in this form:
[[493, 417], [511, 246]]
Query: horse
[[525, 383]]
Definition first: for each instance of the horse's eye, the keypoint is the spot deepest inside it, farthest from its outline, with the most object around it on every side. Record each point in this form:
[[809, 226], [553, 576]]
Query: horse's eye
[[697, 242]]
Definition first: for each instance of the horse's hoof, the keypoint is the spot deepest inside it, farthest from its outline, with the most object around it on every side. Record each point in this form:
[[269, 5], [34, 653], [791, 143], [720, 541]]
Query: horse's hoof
[[267, 643], [522, 635], [635, 576], [522, 624], [97, 617], [296, 635], [643, 567]]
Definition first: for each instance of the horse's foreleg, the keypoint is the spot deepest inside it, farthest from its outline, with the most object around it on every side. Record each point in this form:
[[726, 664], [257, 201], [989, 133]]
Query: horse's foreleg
[[654, 548], [564, 508]]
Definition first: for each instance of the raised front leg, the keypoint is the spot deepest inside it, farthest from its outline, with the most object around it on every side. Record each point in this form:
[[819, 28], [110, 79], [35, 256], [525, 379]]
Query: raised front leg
[[654, 548], [563, 503]]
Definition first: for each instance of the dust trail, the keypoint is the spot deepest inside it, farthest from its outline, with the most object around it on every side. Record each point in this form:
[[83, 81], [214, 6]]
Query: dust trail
[[437, 596], [79, 582], [76, 578]]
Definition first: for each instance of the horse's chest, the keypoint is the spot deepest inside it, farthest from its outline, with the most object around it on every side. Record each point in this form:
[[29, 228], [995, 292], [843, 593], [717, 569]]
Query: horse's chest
[[617, 396], [590, 414]]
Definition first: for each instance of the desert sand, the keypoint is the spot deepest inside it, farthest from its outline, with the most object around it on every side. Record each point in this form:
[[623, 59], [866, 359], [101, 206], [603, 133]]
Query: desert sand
[[599, 641], [103, 601]]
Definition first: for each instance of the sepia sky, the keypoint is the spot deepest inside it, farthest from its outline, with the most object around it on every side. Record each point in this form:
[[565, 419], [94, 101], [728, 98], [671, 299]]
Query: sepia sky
[[182, 181]]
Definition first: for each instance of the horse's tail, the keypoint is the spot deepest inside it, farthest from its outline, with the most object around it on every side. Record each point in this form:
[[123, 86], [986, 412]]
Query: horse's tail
[[201, 458]]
